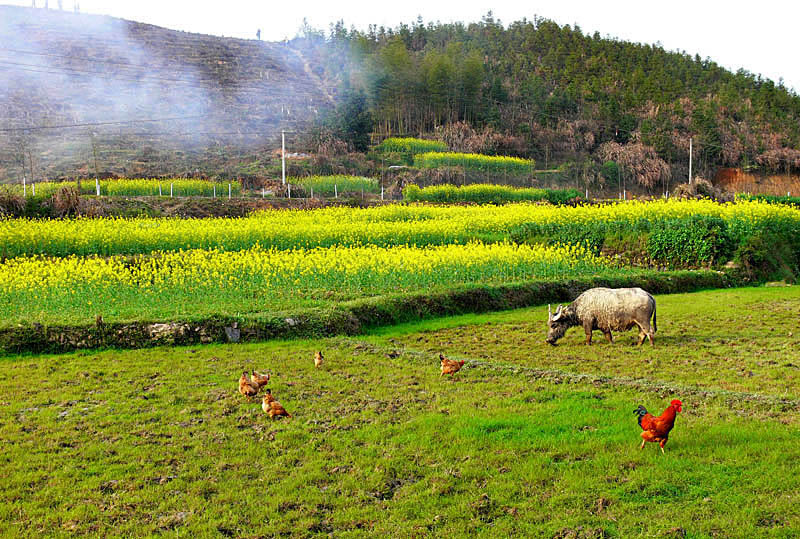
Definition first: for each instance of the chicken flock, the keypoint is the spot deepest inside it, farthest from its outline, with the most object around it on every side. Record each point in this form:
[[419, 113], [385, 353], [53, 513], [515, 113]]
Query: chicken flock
[[654, 429]]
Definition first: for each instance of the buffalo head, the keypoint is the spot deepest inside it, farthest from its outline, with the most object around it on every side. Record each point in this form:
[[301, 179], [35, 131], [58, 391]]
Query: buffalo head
[[557, 325]]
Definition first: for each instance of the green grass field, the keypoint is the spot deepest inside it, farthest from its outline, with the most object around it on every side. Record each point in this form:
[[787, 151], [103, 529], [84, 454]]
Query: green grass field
[[527, 440]]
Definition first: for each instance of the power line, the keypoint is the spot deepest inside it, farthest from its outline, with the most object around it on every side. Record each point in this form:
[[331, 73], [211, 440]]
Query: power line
[[221, 87], [90, 124]]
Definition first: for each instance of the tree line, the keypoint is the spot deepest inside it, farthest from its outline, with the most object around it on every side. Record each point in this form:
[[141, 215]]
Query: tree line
[[556, 94]]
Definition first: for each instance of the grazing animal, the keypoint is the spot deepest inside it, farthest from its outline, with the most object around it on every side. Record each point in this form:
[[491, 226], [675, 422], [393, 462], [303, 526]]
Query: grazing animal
[[318, 359], [259, 379], [450, 366], [656, 429], [247, 387], [606, 309], [272, 407]]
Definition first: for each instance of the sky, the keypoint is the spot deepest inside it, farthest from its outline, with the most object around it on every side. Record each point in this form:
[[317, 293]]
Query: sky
[[760, 37]]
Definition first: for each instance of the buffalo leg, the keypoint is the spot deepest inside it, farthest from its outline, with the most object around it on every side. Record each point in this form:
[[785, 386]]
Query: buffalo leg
[[645, 332], [587, 328], [609, 337]]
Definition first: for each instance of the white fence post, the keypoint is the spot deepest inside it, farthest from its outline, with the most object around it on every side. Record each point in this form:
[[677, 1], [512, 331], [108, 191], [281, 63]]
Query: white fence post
[[381, 192], [312, 192], [229, 190], [290, 189], [262, 193], [97, 186], [170, 190], [24, 187], [159, 189], [33, 186], [335, 191], [215, 190]]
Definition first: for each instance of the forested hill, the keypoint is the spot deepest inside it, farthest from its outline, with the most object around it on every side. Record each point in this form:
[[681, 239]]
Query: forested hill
[[562, 94]]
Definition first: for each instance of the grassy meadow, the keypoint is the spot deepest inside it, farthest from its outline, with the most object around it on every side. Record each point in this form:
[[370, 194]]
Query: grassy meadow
[[527, 440]]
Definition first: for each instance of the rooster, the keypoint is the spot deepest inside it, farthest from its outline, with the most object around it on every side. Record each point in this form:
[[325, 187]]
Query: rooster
[[318, 359], [450, 366], [272, 407], [259, 379], [247, 387], [656, 429]]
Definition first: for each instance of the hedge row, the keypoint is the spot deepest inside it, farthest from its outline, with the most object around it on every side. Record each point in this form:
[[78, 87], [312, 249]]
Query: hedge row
[[772, 199], [768, 249], [488, 194], [348, 318], [473, 161]]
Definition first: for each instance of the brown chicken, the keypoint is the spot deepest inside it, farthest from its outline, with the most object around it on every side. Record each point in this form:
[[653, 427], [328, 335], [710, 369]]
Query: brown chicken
[[259, 379], [318, 359], [247, 387], [450, 366], [272, 407], [656, 429]]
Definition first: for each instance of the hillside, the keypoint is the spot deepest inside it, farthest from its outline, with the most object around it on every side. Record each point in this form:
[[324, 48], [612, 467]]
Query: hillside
[[601, 111], [224, 98], [538, 89]]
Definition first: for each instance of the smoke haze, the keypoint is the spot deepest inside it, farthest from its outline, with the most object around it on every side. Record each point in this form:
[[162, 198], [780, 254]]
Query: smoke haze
[[209, 98]]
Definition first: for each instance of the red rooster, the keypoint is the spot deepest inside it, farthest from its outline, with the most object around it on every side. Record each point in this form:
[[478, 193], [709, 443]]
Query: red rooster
[[656, 429]]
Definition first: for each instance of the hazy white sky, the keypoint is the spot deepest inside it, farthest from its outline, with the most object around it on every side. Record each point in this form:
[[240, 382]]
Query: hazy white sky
[[761, 37]]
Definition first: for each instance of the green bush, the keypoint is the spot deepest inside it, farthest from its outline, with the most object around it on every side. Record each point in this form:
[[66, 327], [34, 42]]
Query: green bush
[[696, 241], [769, 255]]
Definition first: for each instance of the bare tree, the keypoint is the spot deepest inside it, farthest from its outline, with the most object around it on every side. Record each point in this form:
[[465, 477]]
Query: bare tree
[[638, 160]]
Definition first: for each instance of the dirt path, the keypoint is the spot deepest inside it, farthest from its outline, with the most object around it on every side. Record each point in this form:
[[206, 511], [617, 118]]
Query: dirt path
[[313, 76]]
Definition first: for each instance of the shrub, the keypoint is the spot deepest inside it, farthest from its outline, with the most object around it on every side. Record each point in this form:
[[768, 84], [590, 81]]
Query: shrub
[[11, 204], [694, 241], [766, 255], [65, 202]]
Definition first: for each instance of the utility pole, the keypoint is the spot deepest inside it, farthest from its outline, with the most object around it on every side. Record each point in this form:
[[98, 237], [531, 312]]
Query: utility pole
[[283, 157], [94, 151], [690, 160]]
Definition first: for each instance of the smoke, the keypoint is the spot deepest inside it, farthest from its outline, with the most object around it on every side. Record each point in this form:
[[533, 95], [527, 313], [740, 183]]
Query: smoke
[[135, 99]]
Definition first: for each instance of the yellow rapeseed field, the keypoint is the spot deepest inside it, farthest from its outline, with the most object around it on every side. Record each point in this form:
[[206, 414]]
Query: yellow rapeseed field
[[382, 226]]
